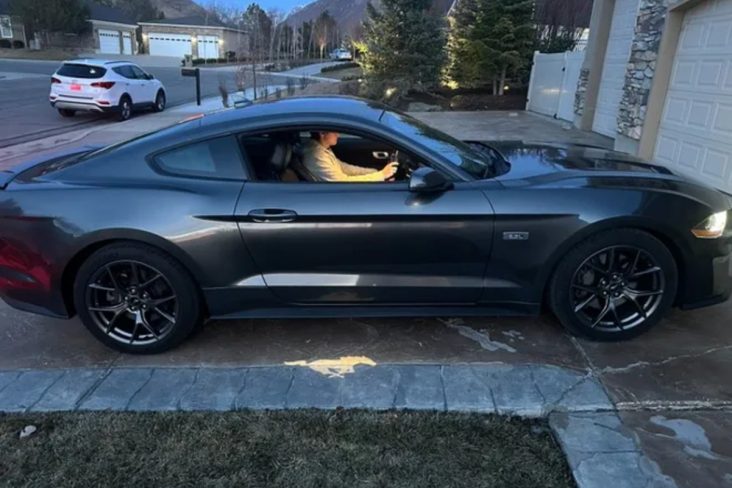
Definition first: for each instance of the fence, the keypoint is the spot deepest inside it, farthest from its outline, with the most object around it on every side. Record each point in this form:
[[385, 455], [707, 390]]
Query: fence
[[553, 84]]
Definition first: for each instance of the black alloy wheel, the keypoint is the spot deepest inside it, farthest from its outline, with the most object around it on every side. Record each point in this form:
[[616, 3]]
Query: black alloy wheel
[[614, 285], [137, 299]]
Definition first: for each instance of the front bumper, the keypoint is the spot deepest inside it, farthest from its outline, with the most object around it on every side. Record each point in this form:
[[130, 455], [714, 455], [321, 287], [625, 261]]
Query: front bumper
[[706, 276]]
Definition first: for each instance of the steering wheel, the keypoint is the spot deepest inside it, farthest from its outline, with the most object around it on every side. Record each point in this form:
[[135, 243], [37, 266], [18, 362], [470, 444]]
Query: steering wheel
[[406, 166]]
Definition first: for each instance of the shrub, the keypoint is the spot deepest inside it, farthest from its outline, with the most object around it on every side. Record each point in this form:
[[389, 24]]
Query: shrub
[[5, 43], [340, 66]]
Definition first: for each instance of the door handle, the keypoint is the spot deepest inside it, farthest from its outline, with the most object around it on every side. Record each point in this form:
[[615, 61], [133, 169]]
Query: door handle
[[267, 215], [380, 154]]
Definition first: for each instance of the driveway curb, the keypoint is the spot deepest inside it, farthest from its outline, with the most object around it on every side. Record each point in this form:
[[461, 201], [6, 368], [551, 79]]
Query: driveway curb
[[582, 417]]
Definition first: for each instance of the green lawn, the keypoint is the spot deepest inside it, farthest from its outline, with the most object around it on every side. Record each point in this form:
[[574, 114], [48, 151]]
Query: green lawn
[[279, 449]]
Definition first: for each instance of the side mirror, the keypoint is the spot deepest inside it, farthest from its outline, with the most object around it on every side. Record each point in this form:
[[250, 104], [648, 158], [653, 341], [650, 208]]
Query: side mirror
[[427, 180], [149, 76]]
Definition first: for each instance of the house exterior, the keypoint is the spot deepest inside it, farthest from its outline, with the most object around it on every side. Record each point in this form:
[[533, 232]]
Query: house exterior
[[657, 78], [197, 36], [113, 31], [12, 31]]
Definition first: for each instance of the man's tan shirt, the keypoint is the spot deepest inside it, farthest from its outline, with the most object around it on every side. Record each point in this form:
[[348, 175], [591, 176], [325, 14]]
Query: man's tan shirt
[[325, 166]]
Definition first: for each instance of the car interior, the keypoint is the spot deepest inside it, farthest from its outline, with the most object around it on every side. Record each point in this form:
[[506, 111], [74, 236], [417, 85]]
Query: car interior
[[278, 156]]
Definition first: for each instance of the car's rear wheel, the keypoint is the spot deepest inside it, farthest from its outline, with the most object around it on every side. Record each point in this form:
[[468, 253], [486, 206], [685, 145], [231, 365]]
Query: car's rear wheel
[[124, 110], [160, 101], [66, 112], [136, 299], [614, 285]]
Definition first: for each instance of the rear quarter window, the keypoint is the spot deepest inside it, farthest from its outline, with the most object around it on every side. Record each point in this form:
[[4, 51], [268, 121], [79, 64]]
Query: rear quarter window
[[81, 71], [214, 158]]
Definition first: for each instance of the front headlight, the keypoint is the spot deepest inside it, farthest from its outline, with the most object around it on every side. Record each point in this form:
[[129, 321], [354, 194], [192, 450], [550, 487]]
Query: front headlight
[[712, 227]]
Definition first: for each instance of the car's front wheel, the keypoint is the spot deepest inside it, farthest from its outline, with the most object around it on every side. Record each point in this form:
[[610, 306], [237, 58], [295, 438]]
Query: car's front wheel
[[136, 299], [614, 286], [66, 112], [160, 101]]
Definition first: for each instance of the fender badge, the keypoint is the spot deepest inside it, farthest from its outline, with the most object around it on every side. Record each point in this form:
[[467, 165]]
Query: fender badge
[[515, 236]]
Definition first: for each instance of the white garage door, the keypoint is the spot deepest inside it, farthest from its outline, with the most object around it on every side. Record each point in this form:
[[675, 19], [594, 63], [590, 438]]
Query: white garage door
[[617, 53], [108, 41], [126, 43], [695, 135], [208, 47], [176, 45]]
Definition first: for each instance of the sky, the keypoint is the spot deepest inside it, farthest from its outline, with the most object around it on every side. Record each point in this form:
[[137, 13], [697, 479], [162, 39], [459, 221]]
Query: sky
[[284, 5]]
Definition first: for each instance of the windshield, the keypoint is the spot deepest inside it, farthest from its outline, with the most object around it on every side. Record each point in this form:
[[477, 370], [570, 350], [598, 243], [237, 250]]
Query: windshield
[[457, 152]]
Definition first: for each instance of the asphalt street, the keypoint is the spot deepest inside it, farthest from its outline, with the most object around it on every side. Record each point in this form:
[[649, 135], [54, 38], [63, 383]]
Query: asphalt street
[[25, 113]]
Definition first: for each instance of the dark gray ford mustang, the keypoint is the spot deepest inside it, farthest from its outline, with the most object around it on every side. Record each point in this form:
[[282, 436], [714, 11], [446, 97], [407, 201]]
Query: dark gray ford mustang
[[218, 218]]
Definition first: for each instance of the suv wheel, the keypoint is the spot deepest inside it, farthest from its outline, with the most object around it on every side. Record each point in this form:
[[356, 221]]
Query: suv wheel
[[124, 108], [160, 101]]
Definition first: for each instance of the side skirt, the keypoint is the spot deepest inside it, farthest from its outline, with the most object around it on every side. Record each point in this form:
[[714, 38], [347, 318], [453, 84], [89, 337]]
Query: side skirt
[[333, 311]]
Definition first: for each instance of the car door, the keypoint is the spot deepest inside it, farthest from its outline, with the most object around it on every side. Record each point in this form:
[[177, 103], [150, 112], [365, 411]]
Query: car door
[[369, 243], [147, 89], [131, 84]]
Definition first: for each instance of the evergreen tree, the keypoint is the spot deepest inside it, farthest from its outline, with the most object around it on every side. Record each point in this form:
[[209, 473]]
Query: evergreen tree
[[48, 16], [489, 41], [403, 48]]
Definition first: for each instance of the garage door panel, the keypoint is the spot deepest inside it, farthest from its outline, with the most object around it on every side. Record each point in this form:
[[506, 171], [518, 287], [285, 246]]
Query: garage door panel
[[177, 45], [695, 134], [109, 42]]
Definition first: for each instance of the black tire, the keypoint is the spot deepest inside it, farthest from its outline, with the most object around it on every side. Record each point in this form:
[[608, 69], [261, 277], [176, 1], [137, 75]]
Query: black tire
[[186, 310], [159, 101], [633, 298], [124, 109], [66, 112]]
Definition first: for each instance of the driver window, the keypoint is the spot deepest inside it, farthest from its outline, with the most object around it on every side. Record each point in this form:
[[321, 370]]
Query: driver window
[[322, 157]]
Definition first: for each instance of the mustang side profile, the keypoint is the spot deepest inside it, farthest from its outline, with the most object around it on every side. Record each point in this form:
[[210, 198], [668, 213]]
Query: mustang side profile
[[218, 217]]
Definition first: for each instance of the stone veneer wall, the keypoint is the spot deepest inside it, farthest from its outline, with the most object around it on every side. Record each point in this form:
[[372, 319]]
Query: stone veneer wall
[[579, 95], [641, 67]]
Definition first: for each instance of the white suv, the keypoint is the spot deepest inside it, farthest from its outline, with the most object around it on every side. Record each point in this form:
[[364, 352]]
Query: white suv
[[97, 85]]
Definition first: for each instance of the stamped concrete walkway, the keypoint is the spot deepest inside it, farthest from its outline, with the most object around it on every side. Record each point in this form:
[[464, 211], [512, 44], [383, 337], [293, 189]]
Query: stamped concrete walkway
[[580, 412]]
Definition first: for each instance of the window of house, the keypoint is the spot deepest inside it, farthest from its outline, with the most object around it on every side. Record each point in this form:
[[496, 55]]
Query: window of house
[[6, 27], [213, 158]]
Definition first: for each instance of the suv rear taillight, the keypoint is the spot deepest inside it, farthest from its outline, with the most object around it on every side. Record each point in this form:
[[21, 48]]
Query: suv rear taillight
[[55, 80], [103, 84]]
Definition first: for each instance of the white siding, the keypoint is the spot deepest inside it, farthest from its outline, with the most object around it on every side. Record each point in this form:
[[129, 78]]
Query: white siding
[[617, 53], [695, 135]]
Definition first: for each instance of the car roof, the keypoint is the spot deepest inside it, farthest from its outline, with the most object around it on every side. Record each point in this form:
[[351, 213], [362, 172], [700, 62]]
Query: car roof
[[98, 62], [304, 105]]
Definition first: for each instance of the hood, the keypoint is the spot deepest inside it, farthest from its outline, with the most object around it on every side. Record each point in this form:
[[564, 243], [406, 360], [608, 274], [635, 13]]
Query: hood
[[536, 159]]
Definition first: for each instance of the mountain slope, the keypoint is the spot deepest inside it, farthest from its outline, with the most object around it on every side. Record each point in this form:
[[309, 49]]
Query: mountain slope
[[348, 13], [178, 8]]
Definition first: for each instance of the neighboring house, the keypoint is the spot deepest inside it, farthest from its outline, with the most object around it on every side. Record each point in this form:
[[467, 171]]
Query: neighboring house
[[113, 30], [196, 36], [657, 77], [12, 31]]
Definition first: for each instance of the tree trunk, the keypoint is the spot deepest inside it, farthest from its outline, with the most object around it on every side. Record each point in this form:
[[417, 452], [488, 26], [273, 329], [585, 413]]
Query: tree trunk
[[502, 81], [495, 86]]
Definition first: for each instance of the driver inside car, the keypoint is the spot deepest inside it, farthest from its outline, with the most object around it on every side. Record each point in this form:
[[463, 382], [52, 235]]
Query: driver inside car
[[319, 159]]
